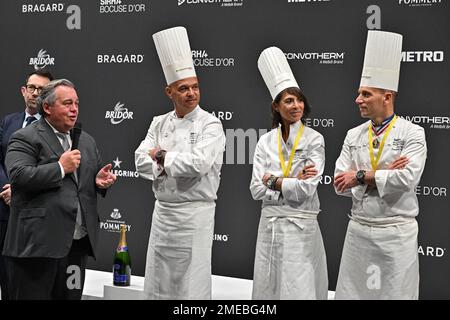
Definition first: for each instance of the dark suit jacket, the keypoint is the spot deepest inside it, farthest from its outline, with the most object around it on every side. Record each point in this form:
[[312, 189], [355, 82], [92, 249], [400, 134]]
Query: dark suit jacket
[[9, 124], [43, 205]]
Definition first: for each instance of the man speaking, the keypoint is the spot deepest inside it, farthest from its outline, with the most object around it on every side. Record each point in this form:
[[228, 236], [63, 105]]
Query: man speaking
[[53, 223]]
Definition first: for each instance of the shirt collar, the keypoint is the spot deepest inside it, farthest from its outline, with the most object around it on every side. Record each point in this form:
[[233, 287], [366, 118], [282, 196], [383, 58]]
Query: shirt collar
[[189, 116]]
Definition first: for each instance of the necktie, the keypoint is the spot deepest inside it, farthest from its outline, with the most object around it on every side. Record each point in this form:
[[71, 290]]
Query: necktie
[[29, 120], [65, 141]]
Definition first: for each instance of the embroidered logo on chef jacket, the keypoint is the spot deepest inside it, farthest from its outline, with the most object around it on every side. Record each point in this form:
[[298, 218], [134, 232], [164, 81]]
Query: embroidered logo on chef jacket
[[300, 155], [398, 144]]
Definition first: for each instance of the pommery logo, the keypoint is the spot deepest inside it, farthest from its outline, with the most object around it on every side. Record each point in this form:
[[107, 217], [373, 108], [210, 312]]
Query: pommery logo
[[42, 60], [114, 225], [115, 214], [119, 114]]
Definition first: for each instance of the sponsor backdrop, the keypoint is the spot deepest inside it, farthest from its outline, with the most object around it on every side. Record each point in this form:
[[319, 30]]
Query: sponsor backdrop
[[105, 47]]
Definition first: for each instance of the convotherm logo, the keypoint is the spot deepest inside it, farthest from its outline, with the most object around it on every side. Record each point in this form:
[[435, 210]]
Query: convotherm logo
[[120, 6], [433, 122], [221, 3], [119, 114], [419, 3], [42, 60], [321, 57]]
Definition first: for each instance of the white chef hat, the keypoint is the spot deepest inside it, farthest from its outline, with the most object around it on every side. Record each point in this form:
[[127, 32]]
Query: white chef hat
[[275, 70], [174, 54], [382, 60]]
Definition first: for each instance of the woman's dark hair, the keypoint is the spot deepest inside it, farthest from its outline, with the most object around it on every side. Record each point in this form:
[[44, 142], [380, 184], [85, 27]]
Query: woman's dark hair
[[276, 116]]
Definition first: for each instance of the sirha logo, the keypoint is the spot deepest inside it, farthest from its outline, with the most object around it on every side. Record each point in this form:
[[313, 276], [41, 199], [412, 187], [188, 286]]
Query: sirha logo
[[119, 114], [42, 60]]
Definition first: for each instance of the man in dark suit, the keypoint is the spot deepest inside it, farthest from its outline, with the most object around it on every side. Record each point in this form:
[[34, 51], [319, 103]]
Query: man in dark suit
[[8, 125], [53, 224]]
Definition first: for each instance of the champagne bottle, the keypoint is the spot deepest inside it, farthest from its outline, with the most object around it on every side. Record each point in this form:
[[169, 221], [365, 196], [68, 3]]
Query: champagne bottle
[[122, 263]]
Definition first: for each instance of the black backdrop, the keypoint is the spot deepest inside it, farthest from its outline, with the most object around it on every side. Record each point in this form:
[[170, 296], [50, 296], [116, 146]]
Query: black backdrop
[[105, 47]]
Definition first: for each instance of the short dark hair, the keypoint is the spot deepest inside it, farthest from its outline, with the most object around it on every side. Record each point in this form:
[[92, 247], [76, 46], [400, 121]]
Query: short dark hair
[[276, 116], [40, 72], [48, 93]]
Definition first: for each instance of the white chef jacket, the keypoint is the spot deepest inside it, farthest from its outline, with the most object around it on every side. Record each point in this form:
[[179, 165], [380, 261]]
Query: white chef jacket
[[290, 260], [298, 194], [194, 145], [394, 195]]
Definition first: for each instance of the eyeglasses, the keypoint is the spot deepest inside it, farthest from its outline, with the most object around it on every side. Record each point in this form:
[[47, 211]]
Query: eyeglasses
[[31, 88]]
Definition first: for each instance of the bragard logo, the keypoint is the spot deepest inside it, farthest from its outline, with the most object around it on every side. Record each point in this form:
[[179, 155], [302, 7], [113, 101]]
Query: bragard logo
[[119, 58], [431, 251], [43, 7], [123, 173], [419, 3], [42, 60], [119, 114], [322, 57]]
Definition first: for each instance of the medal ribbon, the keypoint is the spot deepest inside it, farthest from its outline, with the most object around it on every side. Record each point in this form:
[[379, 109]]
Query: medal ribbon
[[287, 169], [374, 160]]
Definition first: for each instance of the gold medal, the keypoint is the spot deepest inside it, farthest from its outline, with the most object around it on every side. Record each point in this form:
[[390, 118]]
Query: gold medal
[[376, 143]]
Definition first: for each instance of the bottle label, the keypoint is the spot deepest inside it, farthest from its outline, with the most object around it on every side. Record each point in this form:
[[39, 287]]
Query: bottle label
[[122, 249], [121, 278]]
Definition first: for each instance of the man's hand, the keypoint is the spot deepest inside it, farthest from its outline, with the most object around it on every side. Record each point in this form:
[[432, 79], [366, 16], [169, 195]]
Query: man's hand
[[105, 178], [308, 171], [6, 194], [152, 153], [70, 160], [265, 178], [345, 180], [400, 163]]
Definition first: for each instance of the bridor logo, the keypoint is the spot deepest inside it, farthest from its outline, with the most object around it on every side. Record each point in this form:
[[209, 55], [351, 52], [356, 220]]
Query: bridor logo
[[42, 60], [119, 114]]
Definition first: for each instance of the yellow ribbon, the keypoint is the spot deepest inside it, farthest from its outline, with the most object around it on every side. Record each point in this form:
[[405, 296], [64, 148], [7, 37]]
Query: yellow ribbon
[[287, 169], [372, 156]]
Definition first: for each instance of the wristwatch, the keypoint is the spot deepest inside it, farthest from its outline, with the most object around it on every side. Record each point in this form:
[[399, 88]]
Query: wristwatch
[[271, 182], [159, 156], [360, 175]]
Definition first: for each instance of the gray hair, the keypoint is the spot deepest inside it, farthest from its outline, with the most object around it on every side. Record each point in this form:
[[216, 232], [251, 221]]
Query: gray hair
[[48, 93]]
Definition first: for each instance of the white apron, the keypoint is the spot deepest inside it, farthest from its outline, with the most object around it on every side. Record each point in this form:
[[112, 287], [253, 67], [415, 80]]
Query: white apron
[[379, 260], [290, 260], [179, 251]]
